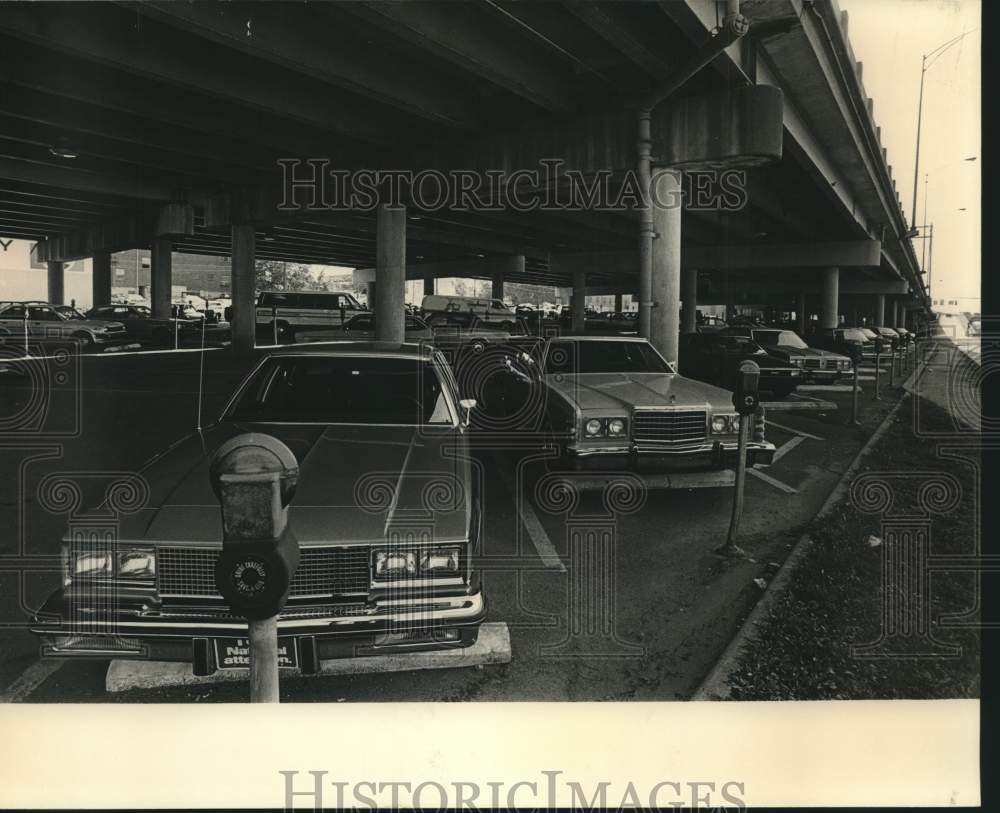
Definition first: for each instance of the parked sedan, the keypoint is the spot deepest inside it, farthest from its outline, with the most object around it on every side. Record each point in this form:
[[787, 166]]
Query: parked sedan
[[715, 358], [890, 337], [615, 402], [142, 326], [43, 322], [820, 366], [362, 327], [844, 340], [386, 514]]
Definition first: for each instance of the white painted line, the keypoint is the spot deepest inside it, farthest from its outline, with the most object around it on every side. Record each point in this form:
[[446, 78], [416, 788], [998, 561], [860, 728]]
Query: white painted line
[[785, 448], [492, 647], [722, 478], [30, 679], [536, 531], [811, 405], [794, 431], [772, 482], [825, 388]]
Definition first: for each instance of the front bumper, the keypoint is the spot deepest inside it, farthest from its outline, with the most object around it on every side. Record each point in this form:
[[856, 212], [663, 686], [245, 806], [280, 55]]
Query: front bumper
[[709, 456], [826, 376], [138, 628]]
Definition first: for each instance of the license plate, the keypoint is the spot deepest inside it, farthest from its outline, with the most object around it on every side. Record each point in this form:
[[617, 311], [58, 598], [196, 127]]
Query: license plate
[[234, 653]]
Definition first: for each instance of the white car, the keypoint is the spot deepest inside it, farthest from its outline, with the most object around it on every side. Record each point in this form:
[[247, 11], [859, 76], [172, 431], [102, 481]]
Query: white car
[[42, 321]]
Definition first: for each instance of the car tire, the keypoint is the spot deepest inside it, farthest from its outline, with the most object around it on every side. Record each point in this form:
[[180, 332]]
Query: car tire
[[85, 339]]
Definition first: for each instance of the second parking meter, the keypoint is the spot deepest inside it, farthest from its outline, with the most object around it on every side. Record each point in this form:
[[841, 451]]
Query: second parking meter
[[856, 357], [746, 393], [254, 478], [879, 347]]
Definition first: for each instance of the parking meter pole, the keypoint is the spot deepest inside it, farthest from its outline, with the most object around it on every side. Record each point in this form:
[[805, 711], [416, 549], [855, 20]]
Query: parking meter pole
[[274, 324], [26, 352], [730, 548], [854, 398], [177, 323], [263, 636], [892, 367], [878, 372]]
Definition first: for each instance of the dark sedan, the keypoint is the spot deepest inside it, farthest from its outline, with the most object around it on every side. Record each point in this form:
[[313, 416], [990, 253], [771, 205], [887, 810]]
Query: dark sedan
[[386, 514], [819, 366], [715, 358], [844, 340], [142, 326]]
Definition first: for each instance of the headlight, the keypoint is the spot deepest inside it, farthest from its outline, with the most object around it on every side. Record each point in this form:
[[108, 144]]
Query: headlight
[[725, 424], [593, 427], [395, 564], [616, 427], [89, 565], [798, 362], [439, 561], [136, 564]]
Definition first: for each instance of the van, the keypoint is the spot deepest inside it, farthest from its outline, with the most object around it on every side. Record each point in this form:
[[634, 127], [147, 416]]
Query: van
[[492, 311], [295, 311]]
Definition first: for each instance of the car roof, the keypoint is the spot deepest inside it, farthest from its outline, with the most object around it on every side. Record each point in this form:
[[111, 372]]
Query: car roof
[[413, 350], [598, 338]]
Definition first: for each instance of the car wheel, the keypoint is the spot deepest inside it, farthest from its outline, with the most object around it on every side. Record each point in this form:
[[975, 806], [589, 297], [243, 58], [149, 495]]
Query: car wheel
[[85, 339]]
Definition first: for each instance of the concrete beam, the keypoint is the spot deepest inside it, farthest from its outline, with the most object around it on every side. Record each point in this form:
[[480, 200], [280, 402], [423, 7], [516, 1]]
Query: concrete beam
[[475, 268]]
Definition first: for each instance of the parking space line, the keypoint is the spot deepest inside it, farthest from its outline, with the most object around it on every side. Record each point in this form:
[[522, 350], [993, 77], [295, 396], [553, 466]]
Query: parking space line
[[794, 431], [526, 514], [785, 448], [30, 679], [772, 482]]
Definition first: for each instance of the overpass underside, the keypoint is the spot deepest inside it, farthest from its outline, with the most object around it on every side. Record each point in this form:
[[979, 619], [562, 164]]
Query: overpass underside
[[679, 151]]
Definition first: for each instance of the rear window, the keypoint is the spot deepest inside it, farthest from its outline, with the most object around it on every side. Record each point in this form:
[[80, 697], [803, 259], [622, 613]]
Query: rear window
[[345, 389]]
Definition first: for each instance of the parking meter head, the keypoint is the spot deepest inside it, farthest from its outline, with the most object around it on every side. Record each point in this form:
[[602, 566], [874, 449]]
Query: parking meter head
[[255, 457], [855, 351], [746, 394], [879, 346]]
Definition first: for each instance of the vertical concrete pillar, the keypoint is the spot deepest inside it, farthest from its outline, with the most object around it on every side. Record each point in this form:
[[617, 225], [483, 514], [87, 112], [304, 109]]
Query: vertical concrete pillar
[[372, 293], [618, 303], [100, 281], [800, 314], [161, 270], [497, 288], [244, 272], [578, 301], [390, 273], [428, 286], [899, 313], [55, 283], [689, 300], [829, 314], [879, 309], [666, 281]]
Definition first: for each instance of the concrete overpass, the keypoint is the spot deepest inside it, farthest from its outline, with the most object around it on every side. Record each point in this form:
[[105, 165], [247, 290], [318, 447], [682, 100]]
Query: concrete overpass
[[177, 127]]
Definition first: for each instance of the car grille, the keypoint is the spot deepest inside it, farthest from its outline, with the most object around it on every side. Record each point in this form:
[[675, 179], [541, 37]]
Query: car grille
[[815, 364], [683, 426], [325, 572]]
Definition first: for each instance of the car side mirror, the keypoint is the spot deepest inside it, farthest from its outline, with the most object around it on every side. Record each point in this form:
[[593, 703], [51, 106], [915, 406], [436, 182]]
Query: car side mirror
[[467, 404]]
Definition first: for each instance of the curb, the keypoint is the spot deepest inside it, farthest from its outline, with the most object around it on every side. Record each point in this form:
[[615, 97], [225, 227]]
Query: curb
[[716, 686]]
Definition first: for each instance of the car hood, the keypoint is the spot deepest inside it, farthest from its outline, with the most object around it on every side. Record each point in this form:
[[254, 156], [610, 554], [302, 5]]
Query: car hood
[[785, 350], [355, 484], [593, 391]]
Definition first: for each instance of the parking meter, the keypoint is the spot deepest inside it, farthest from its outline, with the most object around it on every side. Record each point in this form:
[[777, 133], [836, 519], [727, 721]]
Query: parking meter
[[856, 354], [254, 478], [746, 393]]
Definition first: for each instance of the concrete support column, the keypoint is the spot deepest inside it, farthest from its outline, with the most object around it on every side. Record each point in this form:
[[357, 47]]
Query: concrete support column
[[497, 288], [879, 309], [428, 286], [390, 274], [666, 281], [100, 281], [890, 313], [829, 314], [689, 300], [55, 283], [161, 270], [244, 252], [372, 295], [618, 303], [899, 314], [578, 301], [800, 314]]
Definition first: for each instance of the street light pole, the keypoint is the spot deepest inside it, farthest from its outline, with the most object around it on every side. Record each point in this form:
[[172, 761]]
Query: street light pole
[[924, 67]]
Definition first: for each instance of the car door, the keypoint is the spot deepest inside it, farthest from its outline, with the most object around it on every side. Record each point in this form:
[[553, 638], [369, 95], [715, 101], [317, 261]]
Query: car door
[[44, 321], [12, 320]]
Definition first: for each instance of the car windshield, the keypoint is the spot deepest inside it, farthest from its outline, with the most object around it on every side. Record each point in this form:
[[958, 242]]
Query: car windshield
[[854, 336], [870, 334], [604, 357], [785, 338], [343, 389]]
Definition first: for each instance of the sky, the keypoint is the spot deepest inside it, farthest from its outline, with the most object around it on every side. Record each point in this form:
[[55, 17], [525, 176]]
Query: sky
[[890, 37]]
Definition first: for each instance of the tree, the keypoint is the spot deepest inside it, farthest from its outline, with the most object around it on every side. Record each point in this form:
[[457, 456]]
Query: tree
[[275, 275]]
